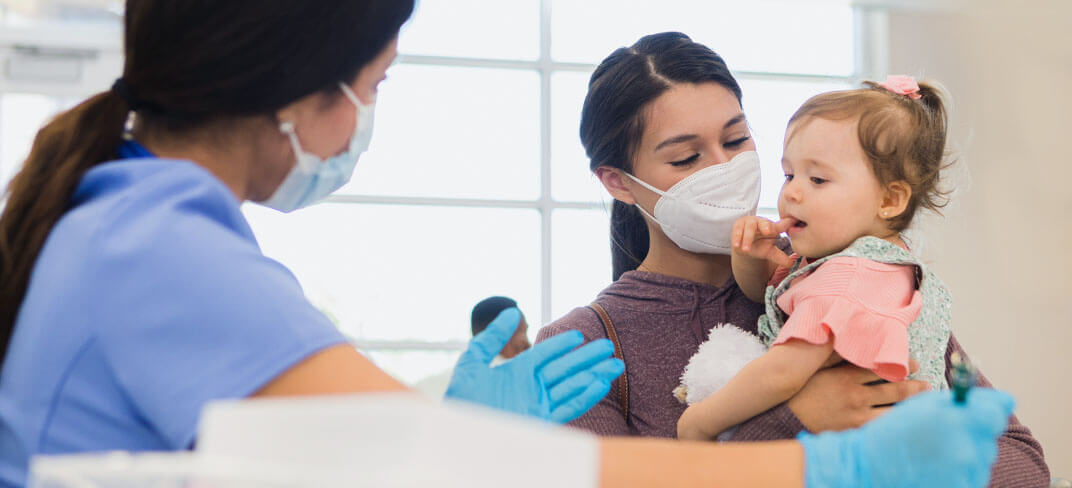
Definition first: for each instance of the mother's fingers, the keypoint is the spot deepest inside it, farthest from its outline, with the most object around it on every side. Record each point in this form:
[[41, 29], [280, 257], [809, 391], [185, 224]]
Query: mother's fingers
[[889, 393], [875, 413], [849, 373]]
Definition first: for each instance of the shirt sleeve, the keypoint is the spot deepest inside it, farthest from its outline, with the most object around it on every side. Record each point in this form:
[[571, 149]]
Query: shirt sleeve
[[863, 306], [191, 311]]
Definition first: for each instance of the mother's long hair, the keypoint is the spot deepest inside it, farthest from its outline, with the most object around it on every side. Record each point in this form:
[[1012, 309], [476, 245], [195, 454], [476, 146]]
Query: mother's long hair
[[612, 120]]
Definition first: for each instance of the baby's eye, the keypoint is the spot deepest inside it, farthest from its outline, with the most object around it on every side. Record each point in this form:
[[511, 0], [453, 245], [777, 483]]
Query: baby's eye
[[818, 181], [788, 177], [686, 161]]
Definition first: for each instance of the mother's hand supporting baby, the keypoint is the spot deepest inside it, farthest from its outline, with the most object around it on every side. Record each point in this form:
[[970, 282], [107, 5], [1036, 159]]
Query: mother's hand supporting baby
[[839, 398]]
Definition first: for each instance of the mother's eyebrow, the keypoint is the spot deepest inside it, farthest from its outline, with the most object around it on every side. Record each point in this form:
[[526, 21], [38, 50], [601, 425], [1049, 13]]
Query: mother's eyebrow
[[676, 140], [737, 119]]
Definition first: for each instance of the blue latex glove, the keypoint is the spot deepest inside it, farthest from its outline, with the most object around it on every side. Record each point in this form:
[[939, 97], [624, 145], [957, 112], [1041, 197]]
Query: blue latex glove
[[554, 380], [926, 441]]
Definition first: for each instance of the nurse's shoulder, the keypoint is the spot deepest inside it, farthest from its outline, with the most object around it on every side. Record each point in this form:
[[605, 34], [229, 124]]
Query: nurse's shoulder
[[141, 198], [148, 233]]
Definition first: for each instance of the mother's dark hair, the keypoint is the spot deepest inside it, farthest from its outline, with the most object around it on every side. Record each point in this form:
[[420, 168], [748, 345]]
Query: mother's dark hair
[[612, 120], [188, 64]]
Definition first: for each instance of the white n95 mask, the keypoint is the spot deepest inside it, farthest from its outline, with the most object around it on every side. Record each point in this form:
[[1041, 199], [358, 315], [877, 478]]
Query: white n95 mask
[[311, 179], [699, 211]]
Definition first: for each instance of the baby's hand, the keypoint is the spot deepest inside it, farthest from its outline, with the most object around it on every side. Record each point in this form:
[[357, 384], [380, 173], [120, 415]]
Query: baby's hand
[[757, 237]]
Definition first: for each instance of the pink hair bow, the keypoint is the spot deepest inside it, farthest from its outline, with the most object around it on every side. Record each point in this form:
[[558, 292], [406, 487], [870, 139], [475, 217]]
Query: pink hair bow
[[902, 85]]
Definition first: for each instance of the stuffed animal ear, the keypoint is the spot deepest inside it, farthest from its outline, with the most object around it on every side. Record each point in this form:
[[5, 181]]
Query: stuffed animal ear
[[727, 350], [681, 393]]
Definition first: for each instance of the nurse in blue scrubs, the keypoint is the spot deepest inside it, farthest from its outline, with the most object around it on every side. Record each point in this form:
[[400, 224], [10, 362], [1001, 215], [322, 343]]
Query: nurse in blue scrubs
[[133, 291]]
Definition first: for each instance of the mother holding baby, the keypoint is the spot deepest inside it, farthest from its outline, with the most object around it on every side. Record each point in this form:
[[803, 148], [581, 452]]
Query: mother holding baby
[[662, 121]]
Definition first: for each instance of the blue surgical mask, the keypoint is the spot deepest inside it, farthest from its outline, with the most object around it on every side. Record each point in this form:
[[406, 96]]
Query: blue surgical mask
[[312, 178]]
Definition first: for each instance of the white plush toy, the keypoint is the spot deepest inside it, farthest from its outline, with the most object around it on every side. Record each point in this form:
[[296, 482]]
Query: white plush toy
[[727, 349]]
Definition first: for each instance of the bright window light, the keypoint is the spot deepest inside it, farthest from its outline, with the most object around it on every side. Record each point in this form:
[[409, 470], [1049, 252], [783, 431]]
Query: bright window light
[[443, 131], [758, 35], [405, 273]]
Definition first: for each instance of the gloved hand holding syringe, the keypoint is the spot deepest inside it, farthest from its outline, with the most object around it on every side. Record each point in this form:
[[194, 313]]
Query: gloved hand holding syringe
[[935, 439]]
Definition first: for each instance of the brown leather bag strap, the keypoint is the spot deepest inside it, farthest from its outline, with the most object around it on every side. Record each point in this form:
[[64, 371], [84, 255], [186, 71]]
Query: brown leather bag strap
[[623, 380]]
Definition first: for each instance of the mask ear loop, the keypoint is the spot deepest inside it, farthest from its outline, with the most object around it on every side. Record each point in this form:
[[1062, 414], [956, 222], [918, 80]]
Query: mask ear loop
[[364, 115], [654, 190], [645, 185], [288, 129], [346, 90]]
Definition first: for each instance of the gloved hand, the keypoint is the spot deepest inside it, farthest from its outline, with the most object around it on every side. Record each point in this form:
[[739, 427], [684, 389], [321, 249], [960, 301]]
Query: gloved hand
[[551, 381], [926, 441]]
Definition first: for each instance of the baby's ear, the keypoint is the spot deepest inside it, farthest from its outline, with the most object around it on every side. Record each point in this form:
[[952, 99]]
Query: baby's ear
[[894, 200]]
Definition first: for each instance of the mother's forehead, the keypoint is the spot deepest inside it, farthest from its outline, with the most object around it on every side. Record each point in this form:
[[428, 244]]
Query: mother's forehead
[[707, 102], [673, 122]]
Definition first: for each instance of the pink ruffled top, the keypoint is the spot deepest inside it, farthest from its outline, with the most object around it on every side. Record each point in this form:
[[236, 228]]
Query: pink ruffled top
[[863, 306]]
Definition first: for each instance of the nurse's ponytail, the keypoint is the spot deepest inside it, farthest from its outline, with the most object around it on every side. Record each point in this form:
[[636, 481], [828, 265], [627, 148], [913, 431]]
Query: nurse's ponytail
[[612, 119], [67, 147]]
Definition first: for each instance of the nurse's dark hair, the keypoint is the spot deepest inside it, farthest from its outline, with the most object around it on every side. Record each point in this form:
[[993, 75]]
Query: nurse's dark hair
[[612, 119], [189, 65]]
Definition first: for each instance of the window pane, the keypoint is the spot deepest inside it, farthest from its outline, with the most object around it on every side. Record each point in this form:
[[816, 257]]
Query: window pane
[[580, 258], [474, 29], [767, 35], [571, 180], [405, 272], [768, 105], [21, 116], [454, 132]]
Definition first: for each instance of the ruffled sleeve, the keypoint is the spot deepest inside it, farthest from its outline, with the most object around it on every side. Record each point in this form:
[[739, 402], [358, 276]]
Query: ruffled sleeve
[[864, 306]]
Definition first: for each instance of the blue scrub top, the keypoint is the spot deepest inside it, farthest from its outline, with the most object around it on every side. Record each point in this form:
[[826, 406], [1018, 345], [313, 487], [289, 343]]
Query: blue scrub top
[[150, 298]]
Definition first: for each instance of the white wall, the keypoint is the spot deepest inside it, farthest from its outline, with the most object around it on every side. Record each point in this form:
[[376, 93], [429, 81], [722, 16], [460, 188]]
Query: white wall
[[1005, 246]]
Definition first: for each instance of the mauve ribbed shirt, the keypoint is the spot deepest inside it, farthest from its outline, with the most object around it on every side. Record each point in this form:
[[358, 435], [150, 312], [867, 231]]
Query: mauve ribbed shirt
[[661, 321]]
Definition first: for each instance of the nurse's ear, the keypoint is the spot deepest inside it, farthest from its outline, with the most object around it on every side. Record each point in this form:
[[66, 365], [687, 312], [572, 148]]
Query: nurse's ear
[[300, 111], [616, 183]]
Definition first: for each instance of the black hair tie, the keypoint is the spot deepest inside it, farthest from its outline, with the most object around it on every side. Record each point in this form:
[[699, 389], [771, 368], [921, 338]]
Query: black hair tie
[[121, 88]]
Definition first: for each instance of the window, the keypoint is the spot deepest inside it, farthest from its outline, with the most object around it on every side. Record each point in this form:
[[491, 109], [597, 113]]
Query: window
[[476, 183]]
